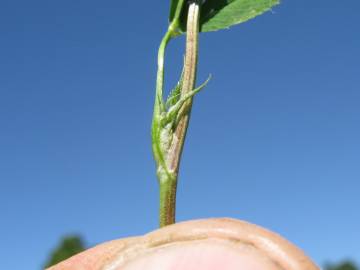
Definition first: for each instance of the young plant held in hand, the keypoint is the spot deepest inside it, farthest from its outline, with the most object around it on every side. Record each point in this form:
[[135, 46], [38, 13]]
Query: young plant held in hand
[[171, 117]]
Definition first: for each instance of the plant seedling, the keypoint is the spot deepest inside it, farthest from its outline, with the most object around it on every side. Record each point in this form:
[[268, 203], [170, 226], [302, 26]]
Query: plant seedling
[[171, 117]]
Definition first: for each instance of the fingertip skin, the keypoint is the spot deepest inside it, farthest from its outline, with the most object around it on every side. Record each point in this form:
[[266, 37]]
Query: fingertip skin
[[95, 258], [115, 254]]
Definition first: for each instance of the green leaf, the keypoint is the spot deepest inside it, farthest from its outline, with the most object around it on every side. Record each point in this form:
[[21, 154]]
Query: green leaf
[[221, 14], [174, 95]]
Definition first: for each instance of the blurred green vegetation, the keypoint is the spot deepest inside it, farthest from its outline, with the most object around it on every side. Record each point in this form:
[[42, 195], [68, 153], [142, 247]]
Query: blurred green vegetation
[[345, 265], [68, 246]]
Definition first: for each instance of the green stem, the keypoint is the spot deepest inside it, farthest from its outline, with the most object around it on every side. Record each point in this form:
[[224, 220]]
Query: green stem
[[168, 185], [171, 32], [167, 201], [160, 73]]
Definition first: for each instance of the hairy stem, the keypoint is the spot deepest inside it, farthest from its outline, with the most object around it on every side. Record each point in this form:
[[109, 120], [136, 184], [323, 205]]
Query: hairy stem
[[168, 187], [167, 201], [191, 58]]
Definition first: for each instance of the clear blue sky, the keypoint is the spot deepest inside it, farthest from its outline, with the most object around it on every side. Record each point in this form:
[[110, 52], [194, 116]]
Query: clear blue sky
[[274, 138]]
